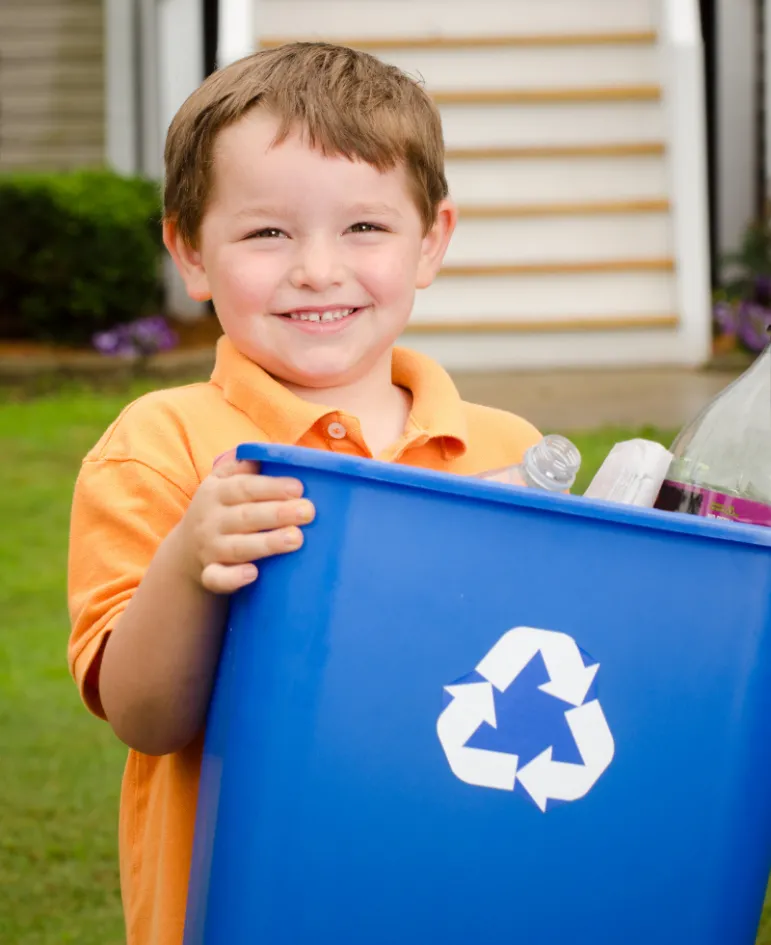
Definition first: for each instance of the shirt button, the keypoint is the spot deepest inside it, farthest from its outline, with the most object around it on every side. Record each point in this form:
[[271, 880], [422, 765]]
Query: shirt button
[[337, 431]]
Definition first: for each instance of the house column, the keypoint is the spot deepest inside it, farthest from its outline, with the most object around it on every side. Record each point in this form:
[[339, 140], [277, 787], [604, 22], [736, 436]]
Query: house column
[[237, 36], [180, 70], [121, 105], [737, 119]]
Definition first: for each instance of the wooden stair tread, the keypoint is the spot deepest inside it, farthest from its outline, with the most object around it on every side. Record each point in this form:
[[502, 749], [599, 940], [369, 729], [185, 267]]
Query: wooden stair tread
[[517, 41], [587, 208], [555, 151], [610, 93], [546, 325], [664, 264]]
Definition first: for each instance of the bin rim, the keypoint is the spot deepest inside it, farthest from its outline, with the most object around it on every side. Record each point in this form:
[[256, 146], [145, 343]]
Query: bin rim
[[469, 487]]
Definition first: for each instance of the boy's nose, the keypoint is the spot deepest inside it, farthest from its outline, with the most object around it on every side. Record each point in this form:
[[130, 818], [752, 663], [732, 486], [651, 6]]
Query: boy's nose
[[318, 266]]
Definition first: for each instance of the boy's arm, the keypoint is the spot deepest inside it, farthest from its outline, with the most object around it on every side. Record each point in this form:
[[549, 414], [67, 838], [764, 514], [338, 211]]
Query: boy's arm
[[158, 662], [158, 640]]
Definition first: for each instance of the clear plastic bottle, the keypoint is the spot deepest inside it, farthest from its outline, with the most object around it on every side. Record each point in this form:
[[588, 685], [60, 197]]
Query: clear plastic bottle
[[550, 464], [722, 459]]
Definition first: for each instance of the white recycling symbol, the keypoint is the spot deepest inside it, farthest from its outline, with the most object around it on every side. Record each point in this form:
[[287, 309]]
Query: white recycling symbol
[[473, 704]]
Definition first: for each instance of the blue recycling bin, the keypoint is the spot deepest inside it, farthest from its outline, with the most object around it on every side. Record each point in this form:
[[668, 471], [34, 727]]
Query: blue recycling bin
[[467, 713]]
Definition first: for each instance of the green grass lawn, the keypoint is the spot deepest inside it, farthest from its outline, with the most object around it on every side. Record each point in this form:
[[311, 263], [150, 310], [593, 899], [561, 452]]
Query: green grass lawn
[[61, 768]]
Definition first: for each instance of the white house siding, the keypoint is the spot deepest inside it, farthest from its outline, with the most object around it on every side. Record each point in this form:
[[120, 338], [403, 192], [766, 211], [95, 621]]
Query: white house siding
[[51, 84]]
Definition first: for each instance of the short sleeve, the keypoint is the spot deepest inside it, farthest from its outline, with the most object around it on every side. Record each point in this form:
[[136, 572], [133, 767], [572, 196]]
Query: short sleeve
[[122, 510]]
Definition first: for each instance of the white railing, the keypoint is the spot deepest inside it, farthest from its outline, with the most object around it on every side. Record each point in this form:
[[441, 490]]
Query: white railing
[[236, 30], [683, 69]]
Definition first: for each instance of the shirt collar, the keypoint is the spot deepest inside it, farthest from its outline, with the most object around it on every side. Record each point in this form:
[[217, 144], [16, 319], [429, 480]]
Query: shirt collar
[[437, 409]]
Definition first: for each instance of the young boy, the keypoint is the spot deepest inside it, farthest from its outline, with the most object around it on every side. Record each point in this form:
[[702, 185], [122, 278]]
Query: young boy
[[305, 195]]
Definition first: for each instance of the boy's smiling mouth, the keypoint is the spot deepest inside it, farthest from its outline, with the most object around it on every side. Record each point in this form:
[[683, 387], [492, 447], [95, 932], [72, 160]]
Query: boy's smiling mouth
[[319, 319]]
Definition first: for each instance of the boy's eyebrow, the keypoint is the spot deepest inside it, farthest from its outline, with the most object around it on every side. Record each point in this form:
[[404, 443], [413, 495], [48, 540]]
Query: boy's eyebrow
[[260, 211], [374, 209], [358, 209]]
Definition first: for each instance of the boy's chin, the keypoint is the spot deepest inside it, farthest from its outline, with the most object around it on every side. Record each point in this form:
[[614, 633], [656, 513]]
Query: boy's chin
[[326, 370], [318, 377]]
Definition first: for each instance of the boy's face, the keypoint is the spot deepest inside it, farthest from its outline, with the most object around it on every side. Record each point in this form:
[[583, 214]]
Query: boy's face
[[312, 262]]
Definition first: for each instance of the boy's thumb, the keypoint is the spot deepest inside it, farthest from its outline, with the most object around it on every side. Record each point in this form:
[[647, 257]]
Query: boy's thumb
[[226, 464], [229, 456]]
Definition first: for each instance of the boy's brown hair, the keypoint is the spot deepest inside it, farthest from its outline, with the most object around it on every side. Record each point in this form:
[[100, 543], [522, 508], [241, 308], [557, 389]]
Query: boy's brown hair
[[345, 102]]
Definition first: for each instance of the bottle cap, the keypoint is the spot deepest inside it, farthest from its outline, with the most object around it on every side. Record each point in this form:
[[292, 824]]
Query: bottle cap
[[553, 463]]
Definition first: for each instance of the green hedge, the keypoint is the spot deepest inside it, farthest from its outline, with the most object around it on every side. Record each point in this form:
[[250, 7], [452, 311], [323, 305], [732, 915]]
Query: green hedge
[[79, 252]]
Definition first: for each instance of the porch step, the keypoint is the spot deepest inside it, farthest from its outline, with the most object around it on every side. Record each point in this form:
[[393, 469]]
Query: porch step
[[372, 19], [541, 293], [665, 264], [550, 325], [631, 149], [574, 123], [589, 208], [558, 96], [519, 41]]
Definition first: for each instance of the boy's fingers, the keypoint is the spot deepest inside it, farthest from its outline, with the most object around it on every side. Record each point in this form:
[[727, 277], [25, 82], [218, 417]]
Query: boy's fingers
[[249, 517], [225, 579], [237, 489], [243, 549]]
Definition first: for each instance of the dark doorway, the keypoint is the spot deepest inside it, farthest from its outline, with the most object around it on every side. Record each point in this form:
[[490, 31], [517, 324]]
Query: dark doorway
[[210, 35], [761, 104], [709, 34]]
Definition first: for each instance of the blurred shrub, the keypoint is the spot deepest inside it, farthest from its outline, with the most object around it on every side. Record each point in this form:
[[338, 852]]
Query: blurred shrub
[[79, 253]]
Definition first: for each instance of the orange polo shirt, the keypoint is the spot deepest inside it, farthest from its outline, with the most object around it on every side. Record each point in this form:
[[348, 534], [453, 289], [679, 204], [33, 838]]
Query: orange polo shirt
[[136, 484]]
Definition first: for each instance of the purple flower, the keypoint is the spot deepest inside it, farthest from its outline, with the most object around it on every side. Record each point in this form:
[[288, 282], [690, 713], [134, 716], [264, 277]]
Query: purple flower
[[152, 334], [725, 315], [139, 338], [753, 323], [115, 343]]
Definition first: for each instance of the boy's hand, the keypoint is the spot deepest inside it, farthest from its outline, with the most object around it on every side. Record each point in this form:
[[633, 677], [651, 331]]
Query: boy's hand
[[236, 517]]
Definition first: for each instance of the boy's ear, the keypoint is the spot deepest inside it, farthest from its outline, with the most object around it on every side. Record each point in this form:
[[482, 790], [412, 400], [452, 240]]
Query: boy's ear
[[188, 262], [435, 243]]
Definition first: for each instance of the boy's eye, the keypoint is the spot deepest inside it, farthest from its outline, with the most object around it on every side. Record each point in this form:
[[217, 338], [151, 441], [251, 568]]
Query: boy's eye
[[268, 233], [366, 228]]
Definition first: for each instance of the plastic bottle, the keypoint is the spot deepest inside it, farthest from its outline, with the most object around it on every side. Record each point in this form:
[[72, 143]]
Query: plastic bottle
[[550, 464], [722, 459]]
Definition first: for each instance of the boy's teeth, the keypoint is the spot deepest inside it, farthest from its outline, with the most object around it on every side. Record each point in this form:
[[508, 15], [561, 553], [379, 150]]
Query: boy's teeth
[[331, 316]]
